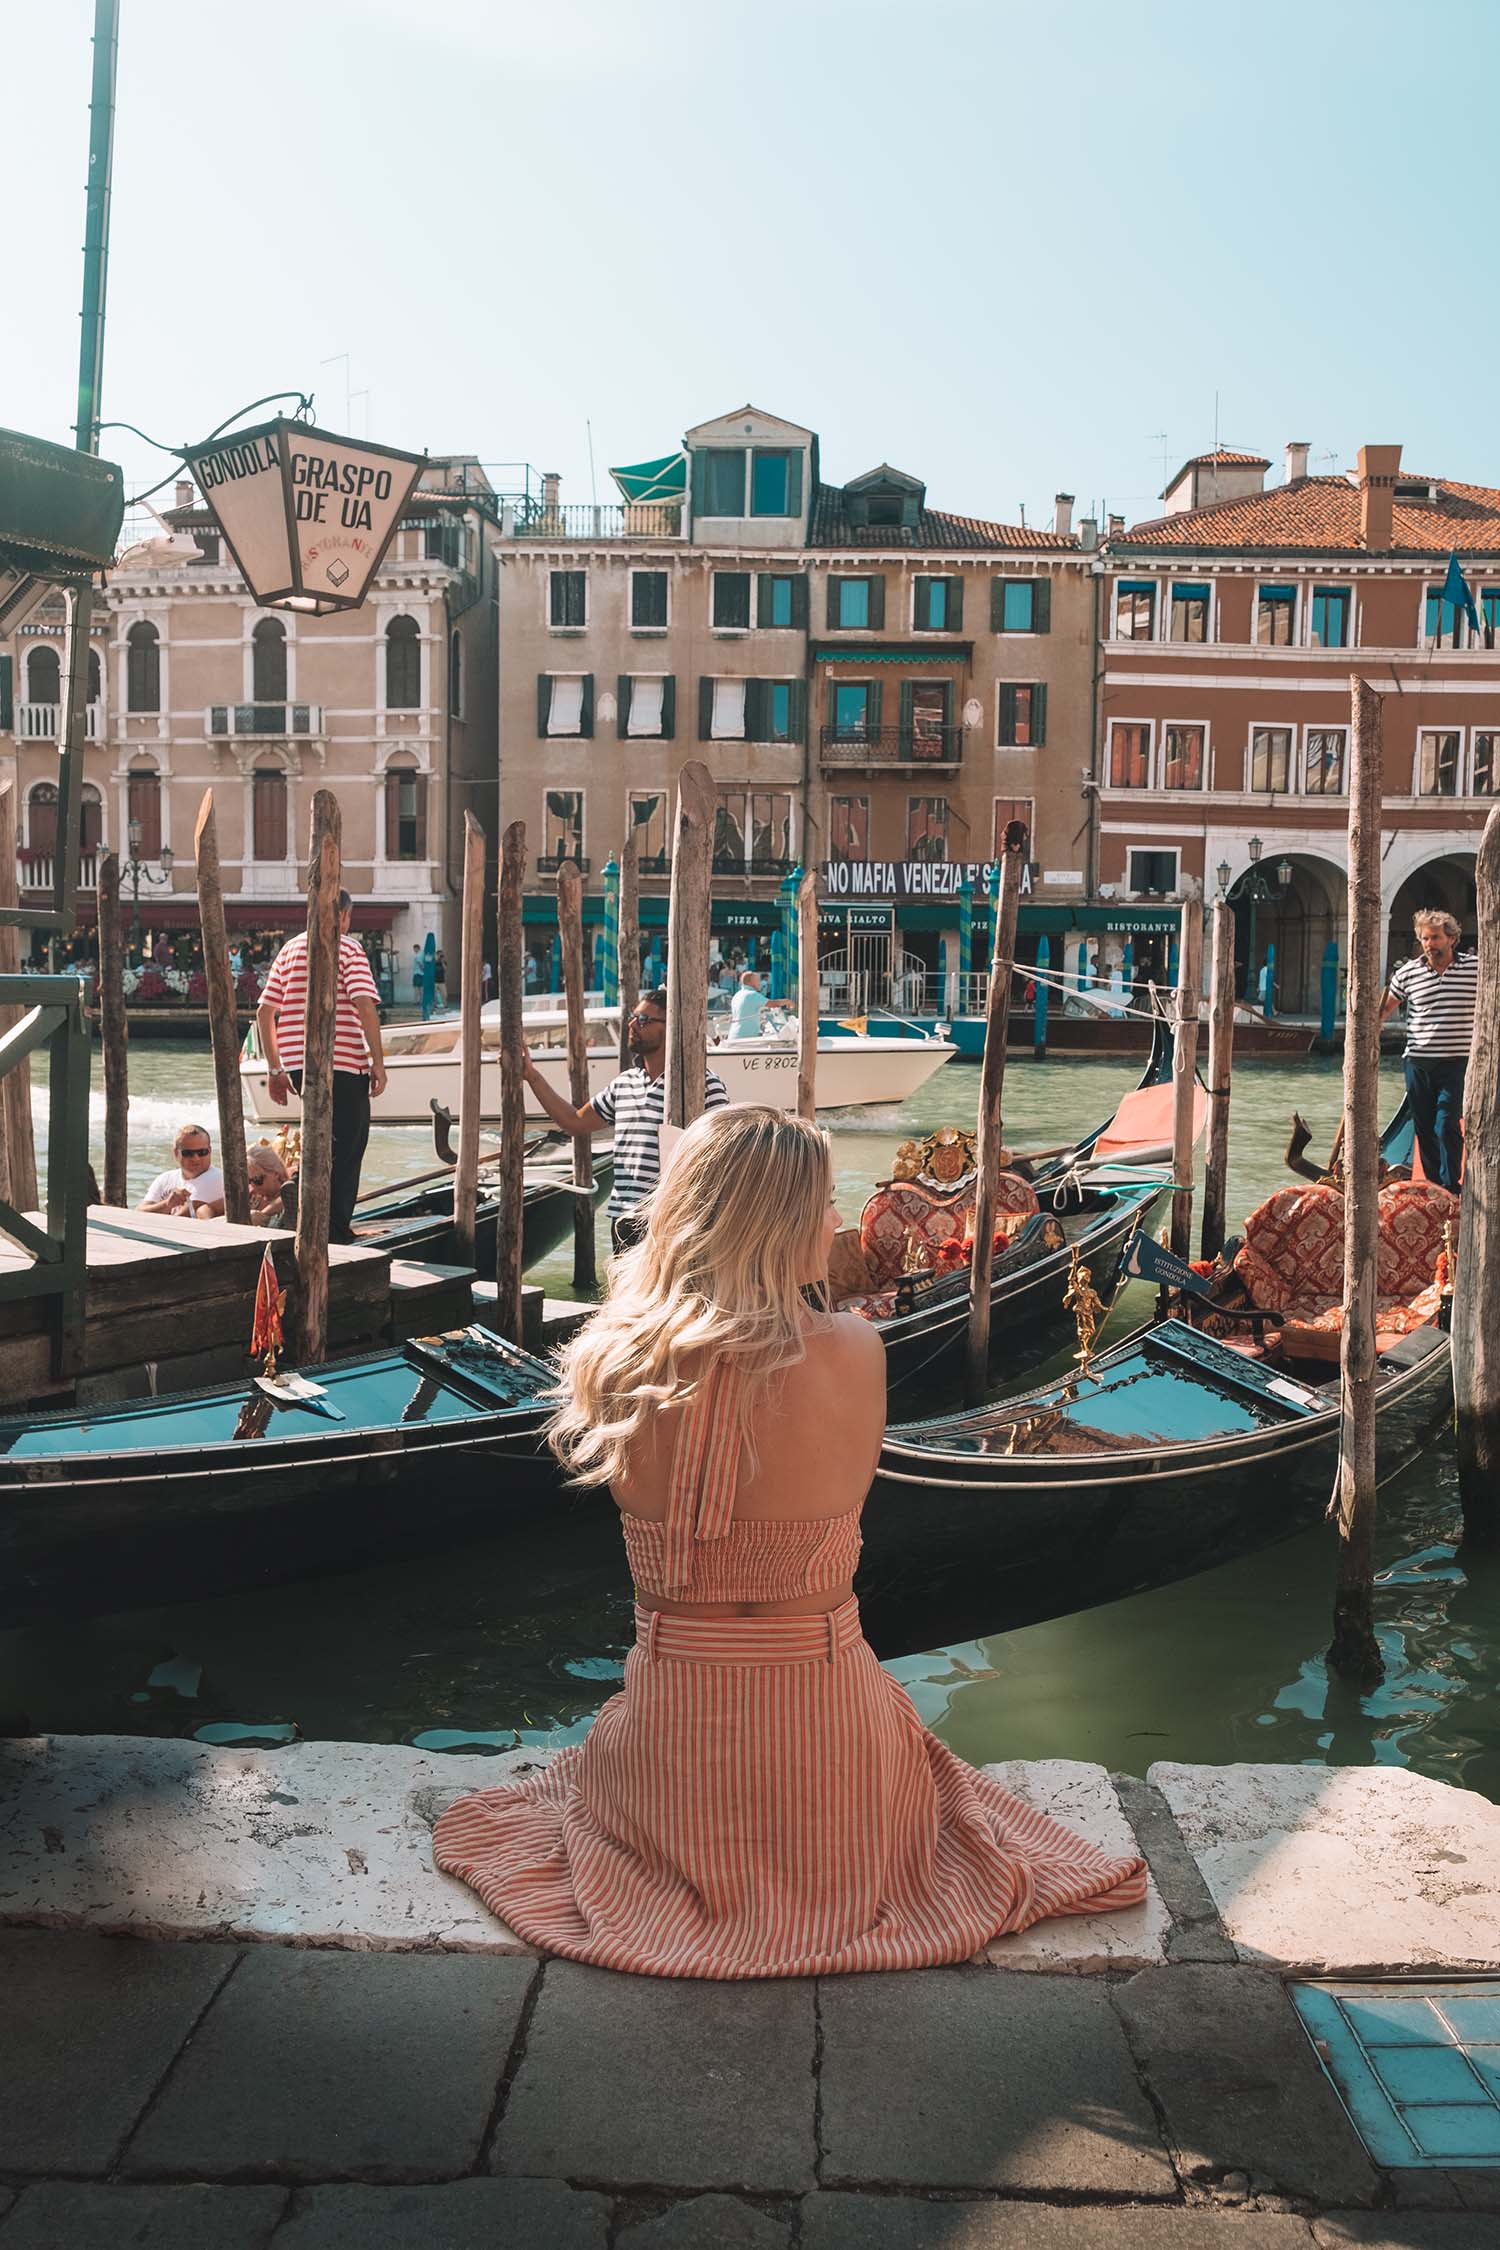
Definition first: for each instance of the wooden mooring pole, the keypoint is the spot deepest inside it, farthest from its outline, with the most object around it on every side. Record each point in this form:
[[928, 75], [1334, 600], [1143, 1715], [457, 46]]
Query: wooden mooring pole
[[223, 1017], [570, 927], [991, 1087], [1185, 1071], [471, 1041], [689, 911], [1220, 1066], [1354, 1652], [315, 1172], [17, 1142], [114, 1034], [807, 995], [1476, 1290], [509, 960], [630, 938]]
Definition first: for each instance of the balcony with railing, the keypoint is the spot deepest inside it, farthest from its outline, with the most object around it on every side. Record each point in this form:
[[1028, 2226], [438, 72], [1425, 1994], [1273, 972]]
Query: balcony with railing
[[37, 870], [550, 862], [897, 749], [588, 520], [42, 722], [289, 721], [735, 863]]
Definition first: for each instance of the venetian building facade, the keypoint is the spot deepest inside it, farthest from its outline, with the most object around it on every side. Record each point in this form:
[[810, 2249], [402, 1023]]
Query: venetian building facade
[[192, 686], [1232, 624], [878, 687]]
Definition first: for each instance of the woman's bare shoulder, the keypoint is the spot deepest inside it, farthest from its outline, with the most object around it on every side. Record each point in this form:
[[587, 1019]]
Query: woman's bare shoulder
[[846, 1340]]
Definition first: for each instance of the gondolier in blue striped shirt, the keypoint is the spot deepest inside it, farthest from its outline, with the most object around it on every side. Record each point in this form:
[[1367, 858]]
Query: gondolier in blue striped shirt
[[1437, 988], [634, 1104]]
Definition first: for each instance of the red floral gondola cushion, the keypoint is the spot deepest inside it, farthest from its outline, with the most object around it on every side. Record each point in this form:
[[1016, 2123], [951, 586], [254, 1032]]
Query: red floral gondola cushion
[[907, 1213], [1413, 1215], [1293, 1251]]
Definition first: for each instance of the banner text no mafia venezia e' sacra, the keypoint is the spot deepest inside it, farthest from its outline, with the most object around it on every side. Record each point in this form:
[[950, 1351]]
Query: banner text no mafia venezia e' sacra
[[881, 881]]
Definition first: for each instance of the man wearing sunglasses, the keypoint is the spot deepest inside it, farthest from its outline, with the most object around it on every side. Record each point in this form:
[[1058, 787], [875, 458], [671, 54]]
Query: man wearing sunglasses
[[194, 1189], [633, 1104]]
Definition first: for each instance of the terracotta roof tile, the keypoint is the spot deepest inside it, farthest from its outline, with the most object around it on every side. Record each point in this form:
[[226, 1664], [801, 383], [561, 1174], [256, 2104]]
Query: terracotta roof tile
[[1225, 459], [1323, 513], [830, 527]]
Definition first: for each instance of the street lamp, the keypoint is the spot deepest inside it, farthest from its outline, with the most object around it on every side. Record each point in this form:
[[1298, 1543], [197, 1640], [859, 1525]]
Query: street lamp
[[139, 871], [1256, 892], [1224, 871]]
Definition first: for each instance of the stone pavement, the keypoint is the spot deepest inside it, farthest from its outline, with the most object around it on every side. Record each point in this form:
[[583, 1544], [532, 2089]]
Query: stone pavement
[[379, 2068]]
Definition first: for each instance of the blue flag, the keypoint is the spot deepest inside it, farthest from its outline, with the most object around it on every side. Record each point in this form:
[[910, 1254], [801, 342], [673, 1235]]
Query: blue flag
[[1456, 592], [1148, 1261]]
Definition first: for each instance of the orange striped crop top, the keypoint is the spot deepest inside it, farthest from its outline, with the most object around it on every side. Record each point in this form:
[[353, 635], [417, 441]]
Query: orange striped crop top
[[701, 1552]]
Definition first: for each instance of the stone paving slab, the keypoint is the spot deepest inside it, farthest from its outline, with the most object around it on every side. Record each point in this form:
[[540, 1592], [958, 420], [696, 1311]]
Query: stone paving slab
[[71, 2215], [664, 2082], [709, 2222], [326, 2066], [464, 2215], [317, 1843], [1239, 2085], [901, 2222], [1403, 2230], [1343, 1869], [88, 2027], [1084, 1798], [969, 2079]]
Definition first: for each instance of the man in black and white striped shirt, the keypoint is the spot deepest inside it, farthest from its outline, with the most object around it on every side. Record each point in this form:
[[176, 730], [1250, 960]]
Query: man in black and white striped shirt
[[1437, 988], [634, 1104]]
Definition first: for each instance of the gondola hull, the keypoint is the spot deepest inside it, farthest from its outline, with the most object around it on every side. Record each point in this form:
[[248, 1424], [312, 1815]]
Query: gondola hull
[[167, 1499], [983, 1546], [419, 1223]]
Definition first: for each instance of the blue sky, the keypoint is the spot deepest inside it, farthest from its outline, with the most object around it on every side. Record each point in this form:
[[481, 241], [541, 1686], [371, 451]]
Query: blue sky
[[1001, 246]]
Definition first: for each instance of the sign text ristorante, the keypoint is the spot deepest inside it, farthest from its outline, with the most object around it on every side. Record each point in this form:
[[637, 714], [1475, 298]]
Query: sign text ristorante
[[897, 879]]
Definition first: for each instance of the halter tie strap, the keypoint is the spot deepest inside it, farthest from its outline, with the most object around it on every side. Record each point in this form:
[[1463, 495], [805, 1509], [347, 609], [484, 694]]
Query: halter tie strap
[[705, 1472]]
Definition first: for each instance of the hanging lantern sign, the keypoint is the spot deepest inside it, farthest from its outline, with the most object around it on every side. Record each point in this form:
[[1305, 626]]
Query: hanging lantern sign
[[307, 515]]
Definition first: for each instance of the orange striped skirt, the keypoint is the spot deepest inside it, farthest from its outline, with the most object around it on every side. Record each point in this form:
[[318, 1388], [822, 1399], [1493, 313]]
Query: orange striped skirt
[[761, 1800]]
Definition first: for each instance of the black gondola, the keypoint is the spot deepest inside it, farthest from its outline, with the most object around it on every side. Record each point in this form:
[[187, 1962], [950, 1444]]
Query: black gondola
[[417, 1221], [222, 1487]]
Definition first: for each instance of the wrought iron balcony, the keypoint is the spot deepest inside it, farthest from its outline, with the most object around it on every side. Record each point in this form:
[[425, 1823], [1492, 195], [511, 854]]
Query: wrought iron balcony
[[659, 863], [902, 749], [550, 862], [292, 721], [735, 863], [42, 722], [643, 519]]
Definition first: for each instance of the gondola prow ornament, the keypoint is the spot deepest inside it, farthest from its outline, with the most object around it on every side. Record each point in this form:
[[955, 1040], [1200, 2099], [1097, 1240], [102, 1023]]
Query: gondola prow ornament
[[306, 515]]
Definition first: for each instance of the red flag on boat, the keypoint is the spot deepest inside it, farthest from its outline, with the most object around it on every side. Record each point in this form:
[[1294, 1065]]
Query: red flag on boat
[[270, 1303]]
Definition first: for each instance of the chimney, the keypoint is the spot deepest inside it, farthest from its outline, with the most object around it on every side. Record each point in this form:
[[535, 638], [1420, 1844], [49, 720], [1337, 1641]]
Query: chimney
[[1088, 533], [1379, 466], [1116, 526], [1296, 458], [184, 492], [551, 485], [1062, 518]]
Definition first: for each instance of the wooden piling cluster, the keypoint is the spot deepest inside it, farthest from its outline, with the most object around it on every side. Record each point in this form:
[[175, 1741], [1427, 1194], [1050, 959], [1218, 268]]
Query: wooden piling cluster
[[1220, 1067], [689, 916], [1185, 1072]]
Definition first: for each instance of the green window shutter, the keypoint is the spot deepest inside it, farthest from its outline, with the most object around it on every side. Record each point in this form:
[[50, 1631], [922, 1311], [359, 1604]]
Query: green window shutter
[[622, 713], [833, 605], [955, 605], [1041, 607], [755, 710], [586, 716], [799, 603], [7, 695], [1038, 715], [700, 479], [908, 693], [543, 701], [794, 484], [997, 605], [668, 708], [763, 598], [1007, 714], [877, 604], [797, 727], [705, 710], [877, 691], [921, 607]]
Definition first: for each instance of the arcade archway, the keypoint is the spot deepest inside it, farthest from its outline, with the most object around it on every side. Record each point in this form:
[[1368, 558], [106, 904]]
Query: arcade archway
[[1446, 883]]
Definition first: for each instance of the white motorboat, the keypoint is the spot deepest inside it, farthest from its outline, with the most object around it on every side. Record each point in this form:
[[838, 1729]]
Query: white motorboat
[[424, 1063]]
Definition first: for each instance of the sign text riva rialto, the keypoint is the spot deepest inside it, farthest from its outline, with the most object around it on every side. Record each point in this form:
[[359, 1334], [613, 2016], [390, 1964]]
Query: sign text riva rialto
[[306, 515], [910, 878]]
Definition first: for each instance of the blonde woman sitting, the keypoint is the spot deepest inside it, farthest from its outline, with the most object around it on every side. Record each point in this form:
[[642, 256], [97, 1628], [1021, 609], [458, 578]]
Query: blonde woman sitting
[[761, 1799]]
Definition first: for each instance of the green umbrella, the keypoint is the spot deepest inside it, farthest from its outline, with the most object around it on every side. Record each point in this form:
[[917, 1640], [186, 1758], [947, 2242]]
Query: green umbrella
[[611, 976]]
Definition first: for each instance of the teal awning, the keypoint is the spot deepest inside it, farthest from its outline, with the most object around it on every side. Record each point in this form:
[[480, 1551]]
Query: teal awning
[[664, 480], [931, 655]]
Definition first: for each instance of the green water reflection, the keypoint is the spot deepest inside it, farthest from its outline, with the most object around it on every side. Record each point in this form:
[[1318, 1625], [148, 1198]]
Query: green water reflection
[[480, 1648]]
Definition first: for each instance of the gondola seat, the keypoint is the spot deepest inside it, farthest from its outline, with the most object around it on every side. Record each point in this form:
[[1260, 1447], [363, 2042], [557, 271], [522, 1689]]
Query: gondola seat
[[908, 1228], [1292, 1262]]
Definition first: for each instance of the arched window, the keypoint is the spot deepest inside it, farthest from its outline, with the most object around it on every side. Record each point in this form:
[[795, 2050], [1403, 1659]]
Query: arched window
[[268, 808], [455, 676], [403, 664], [405, 812], [43, 676], [142, 668], [90, 819], [95, 689], [143, 810], [41, 819], [268, 663]]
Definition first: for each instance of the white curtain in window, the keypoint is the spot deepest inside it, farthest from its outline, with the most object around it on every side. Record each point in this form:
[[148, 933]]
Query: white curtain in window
[[565, 712], [645, 707], [728, 724]]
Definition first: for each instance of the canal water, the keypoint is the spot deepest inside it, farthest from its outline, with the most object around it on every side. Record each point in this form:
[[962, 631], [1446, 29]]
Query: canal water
[[465, 1651]]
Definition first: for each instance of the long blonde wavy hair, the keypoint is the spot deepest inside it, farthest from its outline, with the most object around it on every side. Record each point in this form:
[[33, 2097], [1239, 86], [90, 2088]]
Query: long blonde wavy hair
[[734, 1234]]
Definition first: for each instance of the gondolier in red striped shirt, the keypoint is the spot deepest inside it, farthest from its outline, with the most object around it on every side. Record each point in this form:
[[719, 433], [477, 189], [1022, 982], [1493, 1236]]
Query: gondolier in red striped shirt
[[358, 1055]]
